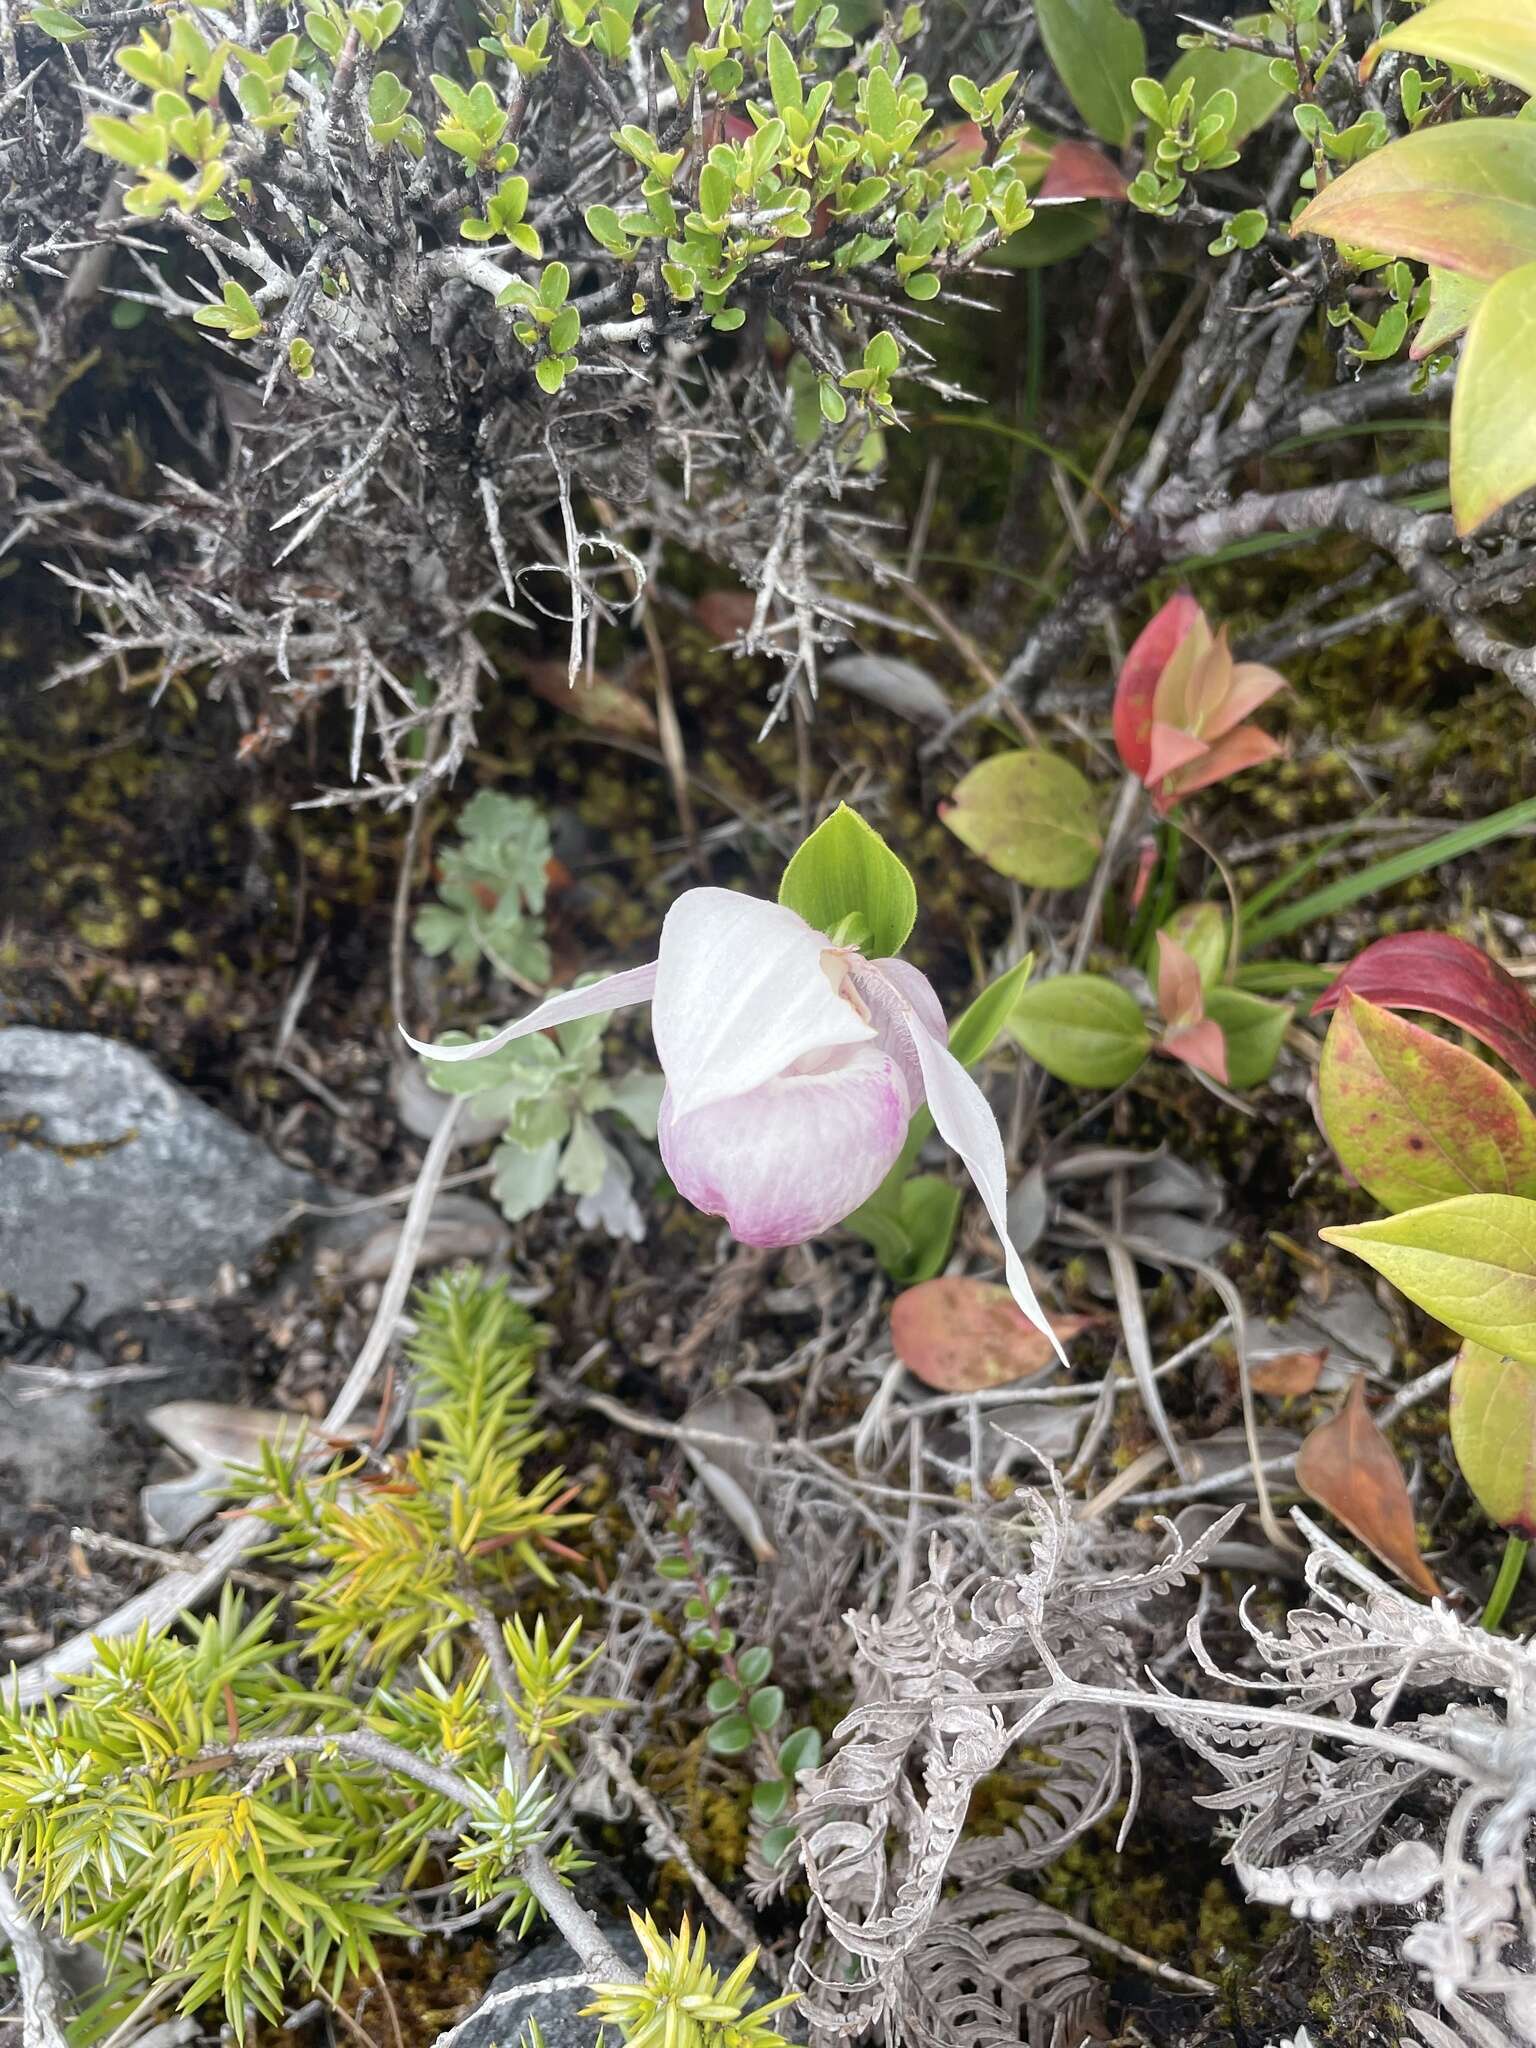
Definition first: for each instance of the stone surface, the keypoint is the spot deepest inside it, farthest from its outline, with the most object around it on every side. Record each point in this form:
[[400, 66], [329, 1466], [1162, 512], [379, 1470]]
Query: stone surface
[[558, 2013], [116, 1179], [54, 1445]]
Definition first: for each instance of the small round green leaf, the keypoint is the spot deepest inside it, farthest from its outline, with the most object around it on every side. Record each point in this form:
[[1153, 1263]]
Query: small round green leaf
[[1030, 815], [775, 1843], [800, 1752], [1081, 1028], [765, 1706], [731, 1736], [724, 1694], [845, 870], [755, 1664], [769, 1798]]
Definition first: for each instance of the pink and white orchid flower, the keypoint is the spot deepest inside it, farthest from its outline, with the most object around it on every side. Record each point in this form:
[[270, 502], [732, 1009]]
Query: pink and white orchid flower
[[793, 1067]]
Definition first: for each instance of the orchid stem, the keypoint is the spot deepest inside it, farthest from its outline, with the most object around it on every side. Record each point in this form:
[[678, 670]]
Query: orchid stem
[[1504, 1585]]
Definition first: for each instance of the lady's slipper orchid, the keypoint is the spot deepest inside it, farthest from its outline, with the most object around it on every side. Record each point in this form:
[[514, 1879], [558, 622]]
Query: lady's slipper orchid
[[793, 1067], [1181, 702]]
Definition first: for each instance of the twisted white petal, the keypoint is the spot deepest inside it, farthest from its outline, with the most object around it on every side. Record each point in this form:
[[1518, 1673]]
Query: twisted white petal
[[742, 993]]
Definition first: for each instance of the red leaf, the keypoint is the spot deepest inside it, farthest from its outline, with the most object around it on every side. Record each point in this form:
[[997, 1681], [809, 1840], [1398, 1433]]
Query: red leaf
[[1349, 1468], [1229, 755], [1445, 977], [725, 613], [962, 1335], [1079, 171], [1201, 1046], [596, 700], [1149, 656], [1180, 992]]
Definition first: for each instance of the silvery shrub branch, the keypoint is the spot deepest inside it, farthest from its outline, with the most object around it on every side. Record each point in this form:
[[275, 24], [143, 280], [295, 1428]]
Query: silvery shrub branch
[[1373, 1754], [465, 324]]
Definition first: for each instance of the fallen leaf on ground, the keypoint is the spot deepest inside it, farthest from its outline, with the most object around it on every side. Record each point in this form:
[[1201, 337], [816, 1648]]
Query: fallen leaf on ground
[[596, 700], [963, 1335], [1347, 1466], [1287, 1372]]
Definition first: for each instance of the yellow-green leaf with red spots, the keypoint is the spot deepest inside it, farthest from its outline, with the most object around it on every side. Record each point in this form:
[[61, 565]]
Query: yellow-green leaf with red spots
[[1416, 1119]]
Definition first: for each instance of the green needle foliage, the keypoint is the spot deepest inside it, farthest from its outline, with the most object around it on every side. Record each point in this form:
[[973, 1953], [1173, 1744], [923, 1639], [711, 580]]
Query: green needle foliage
[[237, 1810], [683, 2001], [405, 1546]]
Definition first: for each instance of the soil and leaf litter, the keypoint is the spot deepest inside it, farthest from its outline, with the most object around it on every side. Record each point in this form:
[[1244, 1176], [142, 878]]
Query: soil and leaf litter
[[658, 1551]]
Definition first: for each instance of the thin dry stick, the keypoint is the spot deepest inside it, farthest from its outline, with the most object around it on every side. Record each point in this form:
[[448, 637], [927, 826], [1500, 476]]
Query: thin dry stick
[[42, 1992], [1152, 1967], [730, 1919], [158, 1606]]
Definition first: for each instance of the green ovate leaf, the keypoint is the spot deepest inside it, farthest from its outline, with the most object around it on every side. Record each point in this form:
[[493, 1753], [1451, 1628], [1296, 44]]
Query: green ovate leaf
[[974, 1032], [1470, 1263], [800, 1752], [1417, 1119], [1253, 1031], [769, 1798], [755, 1664], [1453, 299], [1201, 929], [1493, 1428], [1031, 816], [1493, 408], [730, 1736], [1095, 52], [1082, 1028], [1462, 194], [845, 870], [1496, 36], [765, 1706], [1246, 74]]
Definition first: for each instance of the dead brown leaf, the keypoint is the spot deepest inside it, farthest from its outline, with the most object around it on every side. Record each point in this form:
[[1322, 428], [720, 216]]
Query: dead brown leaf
[[1288, 1372], [962, 1336], [1347, 1466], [596, 700]]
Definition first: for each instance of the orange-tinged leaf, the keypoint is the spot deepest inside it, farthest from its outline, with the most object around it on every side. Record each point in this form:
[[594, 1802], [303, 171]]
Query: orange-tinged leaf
[[1347, 1466], [962, 1335], [1286, 1373], [725, 613], [1462, 194], [1140, 673], [1180, 985], [1079, 171], [1416, 1119], [596, 700], [1230, 755], [1202, 1047]]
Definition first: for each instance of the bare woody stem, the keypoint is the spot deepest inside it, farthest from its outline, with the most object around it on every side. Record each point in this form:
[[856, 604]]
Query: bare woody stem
[[596, 1954]]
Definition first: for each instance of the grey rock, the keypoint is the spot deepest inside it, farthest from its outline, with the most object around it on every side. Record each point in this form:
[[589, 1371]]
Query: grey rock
[[53, 1448], [502, 2024], [127, 1186]]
